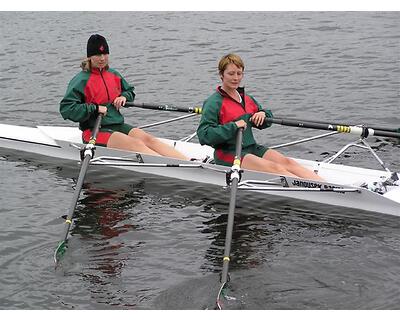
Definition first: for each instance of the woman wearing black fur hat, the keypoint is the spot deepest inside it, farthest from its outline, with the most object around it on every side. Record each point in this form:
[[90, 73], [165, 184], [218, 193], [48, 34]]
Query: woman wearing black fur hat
[[100, 89]]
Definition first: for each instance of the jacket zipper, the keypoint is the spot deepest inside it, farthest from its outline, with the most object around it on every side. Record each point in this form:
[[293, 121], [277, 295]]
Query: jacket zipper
[[108, 95]]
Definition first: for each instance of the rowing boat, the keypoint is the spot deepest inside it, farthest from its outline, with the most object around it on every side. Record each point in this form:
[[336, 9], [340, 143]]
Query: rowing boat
[[346, 186]]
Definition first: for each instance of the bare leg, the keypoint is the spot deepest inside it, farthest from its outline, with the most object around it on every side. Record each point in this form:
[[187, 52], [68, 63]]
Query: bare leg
[[291, 165], [120, 140], [252, 162], [156, 145]]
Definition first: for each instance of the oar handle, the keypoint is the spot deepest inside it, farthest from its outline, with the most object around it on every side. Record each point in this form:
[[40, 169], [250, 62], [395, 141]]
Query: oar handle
[[96, 127], [361, 131], [164, 107]]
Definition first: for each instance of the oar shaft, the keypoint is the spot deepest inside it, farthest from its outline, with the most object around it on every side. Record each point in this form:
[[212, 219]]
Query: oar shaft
[[81, 177], [380, 133], [361, 131], [348, 128], [75, 197], [350, 125], [164, 107], [229, 231], [232, 205]]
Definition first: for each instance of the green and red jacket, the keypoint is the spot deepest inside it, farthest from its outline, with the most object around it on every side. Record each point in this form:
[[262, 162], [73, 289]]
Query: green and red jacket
[[87, 90], [217, 126]]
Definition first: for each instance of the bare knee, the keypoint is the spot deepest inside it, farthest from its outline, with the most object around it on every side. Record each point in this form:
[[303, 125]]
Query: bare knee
[[121, 141], [275, 167], [142, 135], [290, 162]]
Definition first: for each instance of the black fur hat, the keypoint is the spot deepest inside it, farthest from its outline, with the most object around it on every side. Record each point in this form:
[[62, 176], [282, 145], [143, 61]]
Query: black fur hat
[[97, 44]]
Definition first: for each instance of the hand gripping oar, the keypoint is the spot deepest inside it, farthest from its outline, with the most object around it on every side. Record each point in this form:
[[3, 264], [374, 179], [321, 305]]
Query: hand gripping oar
[[164, 107], [358, 130], [234, 178], [88, 153]]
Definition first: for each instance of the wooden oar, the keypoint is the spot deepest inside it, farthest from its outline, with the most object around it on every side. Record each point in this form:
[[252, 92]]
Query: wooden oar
[[357, 130], [164, 107], [88, 155], [235, 177]]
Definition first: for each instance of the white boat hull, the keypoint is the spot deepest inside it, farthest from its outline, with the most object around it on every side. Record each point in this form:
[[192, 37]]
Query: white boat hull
[[61, 142]]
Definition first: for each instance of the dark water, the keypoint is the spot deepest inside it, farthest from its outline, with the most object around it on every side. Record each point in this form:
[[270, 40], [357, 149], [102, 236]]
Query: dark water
[[142, 242]]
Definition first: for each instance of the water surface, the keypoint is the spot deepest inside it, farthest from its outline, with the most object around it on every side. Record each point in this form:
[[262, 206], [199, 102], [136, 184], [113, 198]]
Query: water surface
[[141, 242]]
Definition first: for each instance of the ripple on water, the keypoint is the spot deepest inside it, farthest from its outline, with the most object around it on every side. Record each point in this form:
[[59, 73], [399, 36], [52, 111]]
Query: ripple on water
[[137, 238]]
